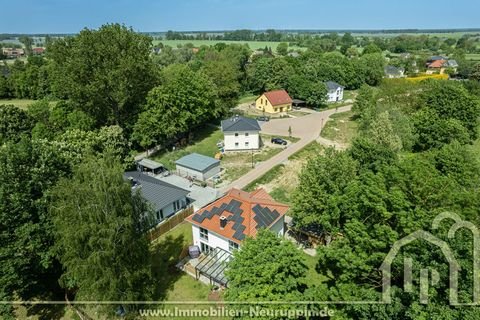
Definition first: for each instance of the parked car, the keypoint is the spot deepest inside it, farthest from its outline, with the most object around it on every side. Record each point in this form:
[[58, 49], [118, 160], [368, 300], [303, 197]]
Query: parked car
[[279, 141], [263, 119]]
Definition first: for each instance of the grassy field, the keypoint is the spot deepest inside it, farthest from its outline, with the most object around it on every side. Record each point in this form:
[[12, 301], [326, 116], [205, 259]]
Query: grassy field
[[20, 103], [280, 181], [254, 45], [248, 98], [205, 142], [341, 128], [473, 56]]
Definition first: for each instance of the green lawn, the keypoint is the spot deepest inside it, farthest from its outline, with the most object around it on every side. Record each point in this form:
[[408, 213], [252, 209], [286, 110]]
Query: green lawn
[[254, 45], [205, 142], [310, 150], [341, 128], [248, 98], [266, 178], [20, 103], [314, 278], [473, 56]]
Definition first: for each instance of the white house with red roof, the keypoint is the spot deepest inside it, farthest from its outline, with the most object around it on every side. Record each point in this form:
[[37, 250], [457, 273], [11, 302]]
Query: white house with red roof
[[276, 101], [226, 222]]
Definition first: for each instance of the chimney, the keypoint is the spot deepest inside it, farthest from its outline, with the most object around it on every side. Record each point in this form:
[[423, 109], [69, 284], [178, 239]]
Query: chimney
[[223, 222]]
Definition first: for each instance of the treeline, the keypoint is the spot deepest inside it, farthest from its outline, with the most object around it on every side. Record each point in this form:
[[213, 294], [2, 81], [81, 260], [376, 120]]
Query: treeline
[[398, 44], [412, 160]]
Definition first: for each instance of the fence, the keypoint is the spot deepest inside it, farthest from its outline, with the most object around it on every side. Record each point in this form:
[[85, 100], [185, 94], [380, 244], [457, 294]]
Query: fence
[[169, 223]]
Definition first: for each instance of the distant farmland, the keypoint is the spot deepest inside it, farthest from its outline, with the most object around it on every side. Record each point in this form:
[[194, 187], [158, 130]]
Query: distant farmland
[[254, 45]]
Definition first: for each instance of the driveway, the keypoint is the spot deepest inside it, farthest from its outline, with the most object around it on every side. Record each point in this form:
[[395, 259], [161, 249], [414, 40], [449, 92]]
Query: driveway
[[201, 195], [307, 128]]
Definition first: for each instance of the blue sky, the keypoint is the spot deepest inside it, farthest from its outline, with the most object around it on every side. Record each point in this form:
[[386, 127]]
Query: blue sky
[[69, 16]]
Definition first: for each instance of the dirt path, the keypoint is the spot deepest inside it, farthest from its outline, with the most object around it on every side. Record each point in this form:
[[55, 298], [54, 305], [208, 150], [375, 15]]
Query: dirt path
[[307, 128]]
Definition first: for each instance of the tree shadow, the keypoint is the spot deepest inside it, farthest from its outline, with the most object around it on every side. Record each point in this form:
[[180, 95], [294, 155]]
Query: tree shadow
[[165, 255]]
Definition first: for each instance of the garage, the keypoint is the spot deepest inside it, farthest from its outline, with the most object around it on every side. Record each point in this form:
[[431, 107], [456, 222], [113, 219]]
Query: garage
[[197, 166]]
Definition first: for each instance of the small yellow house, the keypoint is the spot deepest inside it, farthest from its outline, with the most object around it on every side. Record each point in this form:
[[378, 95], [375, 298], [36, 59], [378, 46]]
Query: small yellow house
[[276, 101]]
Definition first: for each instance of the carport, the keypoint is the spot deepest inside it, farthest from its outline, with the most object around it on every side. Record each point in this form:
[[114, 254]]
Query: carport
[[297, 103], [213, 266]]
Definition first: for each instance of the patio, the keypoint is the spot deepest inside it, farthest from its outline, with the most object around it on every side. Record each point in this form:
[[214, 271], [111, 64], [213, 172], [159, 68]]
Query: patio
[[208, 268]]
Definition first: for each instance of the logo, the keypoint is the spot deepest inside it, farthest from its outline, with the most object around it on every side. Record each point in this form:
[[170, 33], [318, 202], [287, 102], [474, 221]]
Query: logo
[[431, 276]]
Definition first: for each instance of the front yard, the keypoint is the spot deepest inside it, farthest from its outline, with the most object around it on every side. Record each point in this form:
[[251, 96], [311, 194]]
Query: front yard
[[235, 164]]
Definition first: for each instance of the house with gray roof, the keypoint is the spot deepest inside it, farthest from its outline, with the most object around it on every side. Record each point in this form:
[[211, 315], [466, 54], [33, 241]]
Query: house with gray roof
[[241, 133], [334, 91], [197, 166], [392, 72], [165, 199]]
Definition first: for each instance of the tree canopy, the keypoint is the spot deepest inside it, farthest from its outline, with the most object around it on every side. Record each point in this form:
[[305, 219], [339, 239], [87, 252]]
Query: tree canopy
[[106, 72]]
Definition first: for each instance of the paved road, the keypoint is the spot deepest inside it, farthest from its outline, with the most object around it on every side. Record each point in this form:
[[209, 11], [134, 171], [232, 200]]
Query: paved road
[[307, 128]]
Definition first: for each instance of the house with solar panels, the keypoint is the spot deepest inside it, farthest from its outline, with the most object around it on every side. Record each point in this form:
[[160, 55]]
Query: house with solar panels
[[240, 133], [222, 225]]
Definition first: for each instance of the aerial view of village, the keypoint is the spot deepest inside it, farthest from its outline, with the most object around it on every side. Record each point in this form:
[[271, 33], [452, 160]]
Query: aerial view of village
[[211, 159]]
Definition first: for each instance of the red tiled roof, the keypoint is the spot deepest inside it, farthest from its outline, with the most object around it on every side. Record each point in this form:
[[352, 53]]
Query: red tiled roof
[[278, 97], [245, 207], [436, 64]]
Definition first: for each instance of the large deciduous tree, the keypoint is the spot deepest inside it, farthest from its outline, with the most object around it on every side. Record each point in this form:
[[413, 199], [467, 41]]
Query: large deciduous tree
[[185, 100], [266, 268], [28, 268], [106, 72], [100, 235], [14, 123]]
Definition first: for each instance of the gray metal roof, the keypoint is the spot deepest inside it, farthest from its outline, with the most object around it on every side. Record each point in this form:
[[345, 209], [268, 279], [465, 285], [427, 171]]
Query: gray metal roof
[[451, 63], [332, 86], [158, 193], [238, 123], [393, 70], [197, 162], [150, 164]]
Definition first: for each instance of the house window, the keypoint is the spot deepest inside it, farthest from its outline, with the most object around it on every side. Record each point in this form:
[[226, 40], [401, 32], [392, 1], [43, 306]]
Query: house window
[[206, 248], [246, 143], [261, 101], [204, 234], [236, 144], [236, 134], [232, 246], [246, 134], [176, 205]]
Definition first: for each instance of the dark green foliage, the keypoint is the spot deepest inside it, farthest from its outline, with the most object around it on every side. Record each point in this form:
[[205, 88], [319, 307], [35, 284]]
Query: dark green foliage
[[185, 100], [27, 171], [104, 252], [365, 199], [14, 123], [266, 268], [106, 72]]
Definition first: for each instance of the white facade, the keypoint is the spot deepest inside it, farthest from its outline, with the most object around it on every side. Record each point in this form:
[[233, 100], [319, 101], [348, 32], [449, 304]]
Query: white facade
[[217, 241], [335, 95], [242, 140], [198, 175], [170, 210]]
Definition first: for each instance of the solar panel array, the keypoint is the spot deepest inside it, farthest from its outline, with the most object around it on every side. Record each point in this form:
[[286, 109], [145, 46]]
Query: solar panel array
[[264, 216]]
